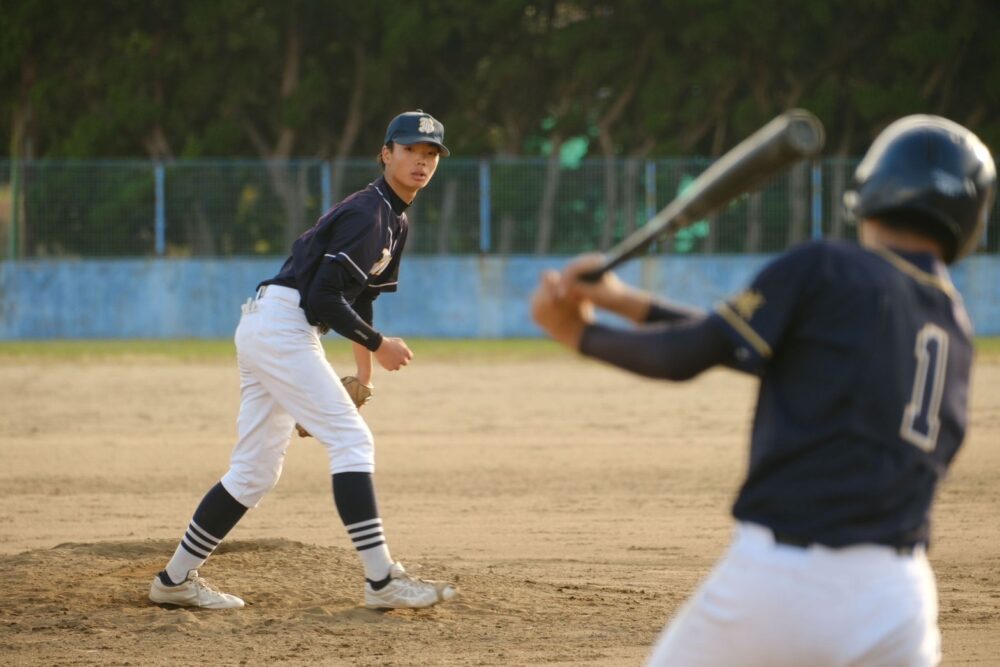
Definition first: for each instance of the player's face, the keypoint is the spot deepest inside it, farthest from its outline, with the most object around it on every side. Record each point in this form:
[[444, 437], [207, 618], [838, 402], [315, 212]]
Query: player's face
[[410, 168]]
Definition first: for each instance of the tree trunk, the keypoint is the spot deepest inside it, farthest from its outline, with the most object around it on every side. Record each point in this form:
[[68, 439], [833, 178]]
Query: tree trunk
[[288, 186], [840, 176], [798, 203], [200, 232], [352, 123], [448, 206], [22, 148], [717, 110], [754, 206], [610, 200], [280, 171], [546, 208], [604, 125], [156, 144], [837, 186], [506, 234], [708, 247], [629, 194]]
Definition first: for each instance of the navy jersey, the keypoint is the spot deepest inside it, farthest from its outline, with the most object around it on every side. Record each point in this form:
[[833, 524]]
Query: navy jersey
[[365, 233], [864, 357]]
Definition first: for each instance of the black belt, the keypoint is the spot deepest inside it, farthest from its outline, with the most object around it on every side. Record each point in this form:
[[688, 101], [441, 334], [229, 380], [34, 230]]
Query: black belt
[[792, 541]]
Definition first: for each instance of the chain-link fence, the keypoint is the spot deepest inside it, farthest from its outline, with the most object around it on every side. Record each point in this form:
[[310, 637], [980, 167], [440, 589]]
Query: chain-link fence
[[495, 206]]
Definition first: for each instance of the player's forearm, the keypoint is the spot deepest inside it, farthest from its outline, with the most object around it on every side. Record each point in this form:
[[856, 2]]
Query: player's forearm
[[329, 303], [632, 304], [609, 294], [330, 308], [669, 352], [364, 306], [363, 361], [643, 308], [662, 311]]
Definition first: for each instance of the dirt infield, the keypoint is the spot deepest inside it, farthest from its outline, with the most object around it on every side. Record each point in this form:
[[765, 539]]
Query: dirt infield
[[576, 507]]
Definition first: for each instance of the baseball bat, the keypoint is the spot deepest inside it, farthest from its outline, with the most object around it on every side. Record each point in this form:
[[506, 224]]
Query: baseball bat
[[792, 136]]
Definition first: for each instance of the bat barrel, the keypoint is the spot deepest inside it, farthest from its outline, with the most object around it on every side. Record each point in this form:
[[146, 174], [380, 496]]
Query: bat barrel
[[805, 132], [792, 136]]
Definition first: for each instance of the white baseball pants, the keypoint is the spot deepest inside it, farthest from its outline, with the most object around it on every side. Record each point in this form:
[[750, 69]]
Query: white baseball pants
[[285, 378], [772, 605]]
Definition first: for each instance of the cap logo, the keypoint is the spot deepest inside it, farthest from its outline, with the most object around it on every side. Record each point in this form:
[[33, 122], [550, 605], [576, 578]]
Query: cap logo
[[426, 125], [947, 184]]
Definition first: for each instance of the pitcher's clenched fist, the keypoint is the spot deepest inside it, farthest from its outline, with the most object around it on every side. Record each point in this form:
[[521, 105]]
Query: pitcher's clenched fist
[[393, 354]]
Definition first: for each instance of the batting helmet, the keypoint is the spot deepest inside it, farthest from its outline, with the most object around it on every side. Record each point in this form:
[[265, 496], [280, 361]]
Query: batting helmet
[[928, 173]]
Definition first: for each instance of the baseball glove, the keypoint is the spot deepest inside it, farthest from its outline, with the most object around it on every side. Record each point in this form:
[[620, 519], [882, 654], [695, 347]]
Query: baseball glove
[[359, 393]]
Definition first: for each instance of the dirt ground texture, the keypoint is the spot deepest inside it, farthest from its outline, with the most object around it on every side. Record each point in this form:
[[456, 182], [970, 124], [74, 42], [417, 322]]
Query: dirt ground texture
[[576, 507]]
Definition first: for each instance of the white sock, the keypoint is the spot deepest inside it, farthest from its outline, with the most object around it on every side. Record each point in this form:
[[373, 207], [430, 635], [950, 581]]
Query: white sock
[[369, 541], [194, 549]]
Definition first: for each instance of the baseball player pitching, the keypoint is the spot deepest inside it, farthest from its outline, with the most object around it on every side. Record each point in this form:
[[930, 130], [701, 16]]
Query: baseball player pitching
[[335, 272], [864, 353]]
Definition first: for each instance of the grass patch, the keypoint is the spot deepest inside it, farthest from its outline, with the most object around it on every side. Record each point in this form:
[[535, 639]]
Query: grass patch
[[988, 348], [224, 350], [104, 350], [437, 349]]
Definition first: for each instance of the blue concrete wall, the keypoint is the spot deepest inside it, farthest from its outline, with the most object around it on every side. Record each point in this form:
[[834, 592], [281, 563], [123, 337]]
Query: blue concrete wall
[[449, 297]]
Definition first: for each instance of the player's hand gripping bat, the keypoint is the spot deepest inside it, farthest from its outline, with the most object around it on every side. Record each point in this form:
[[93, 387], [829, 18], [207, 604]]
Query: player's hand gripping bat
[[792, 136]]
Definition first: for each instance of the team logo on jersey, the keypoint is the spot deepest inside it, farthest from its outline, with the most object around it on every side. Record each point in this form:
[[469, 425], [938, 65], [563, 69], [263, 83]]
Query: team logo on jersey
[[426, 125], [747, 302], [383, 262]]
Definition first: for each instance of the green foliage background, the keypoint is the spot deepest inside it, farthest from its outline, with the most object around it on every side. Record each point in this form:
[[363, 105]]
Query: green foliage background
[[320, 78], [245, 102]]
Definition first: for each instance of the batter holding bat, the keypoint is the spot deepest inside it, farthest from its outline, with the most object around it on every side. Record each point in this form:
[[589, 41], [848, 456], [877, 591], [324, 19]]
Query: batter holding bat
[[335, 272], [864, 354]]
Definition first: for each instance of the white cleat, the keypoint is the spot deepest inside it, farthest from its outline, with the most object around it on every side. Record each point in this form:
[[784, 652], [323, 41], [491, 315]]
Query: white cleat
[[192, 592], [406, 592]]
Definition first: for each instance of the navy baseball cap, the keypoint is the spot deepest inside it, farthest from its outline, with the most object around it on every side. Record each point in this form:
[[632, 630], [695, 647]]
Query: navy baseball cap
[[415, 127]]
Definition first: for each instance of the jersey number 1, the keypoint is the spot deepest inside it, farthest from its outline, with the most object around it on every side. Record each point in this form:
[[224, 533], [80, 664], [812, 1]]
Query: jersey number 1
[[920, 419]]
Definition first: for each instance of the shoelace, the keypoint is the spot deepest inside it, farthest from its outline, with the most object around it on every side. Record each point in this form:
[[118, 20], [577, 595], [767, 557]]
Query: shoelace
[[199, 582], [413, 585]]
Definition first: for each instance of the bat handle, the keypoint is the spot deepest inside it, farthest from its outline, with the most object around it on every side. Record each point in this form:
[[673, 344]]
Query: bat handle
[[593, 275]]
